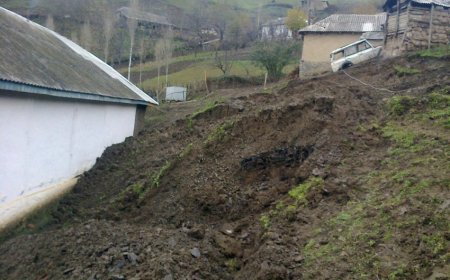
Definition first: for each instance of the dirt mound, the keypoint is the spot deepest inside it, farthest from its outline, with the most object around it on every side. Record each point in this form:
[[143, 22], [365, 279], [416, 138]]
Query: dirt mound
[[305, 182]]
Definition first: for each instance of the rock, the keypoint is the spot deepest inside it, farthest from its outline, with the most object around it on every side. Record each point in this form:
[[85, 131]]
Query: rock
[[196, 233], [119, 264], [131, 257], [195, 253], [172, 242], [317, 172], [299, 259], [117, 277], [67, 271], [229, 246], [168, 277]]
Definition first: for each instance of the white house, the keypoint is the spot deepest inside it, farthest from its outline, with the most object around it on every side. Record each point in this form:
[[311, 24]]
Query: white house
[[60, 107], [275, 30]]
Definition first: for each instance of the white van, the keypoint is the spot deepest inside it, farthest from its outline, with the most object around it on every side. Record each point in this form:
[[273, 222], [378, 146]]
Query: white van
[[352, 54]]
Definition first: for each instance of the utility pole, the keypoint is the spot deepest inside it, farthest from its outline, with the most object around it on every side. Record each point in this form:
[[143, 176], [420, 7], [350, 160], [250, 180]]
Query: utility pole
[[309, 12]]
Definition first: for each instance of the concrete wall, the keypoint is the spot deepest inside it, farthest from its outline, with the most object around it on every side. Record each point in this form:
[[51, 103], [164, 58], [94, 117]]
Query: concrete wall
[[46, 141], [317, 47]]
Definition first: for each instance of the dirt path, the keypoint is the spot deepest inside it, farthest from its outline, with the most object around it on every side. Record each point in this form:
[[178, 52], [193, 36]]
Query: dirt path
[[247, 184]]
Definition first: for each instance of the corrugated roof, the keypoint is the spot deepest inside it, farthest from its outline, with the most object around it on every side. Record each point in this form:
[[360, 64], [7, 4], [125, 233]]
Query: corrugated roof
[[445, 3], [389, 4], [36, 56], [347, 23], [373, 35], [143, 16]]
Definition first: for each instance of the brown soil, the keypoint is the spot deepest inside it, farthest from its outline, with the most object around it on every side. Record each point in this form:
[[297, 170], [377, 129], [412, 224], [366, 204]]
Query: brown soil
[[186, 199]]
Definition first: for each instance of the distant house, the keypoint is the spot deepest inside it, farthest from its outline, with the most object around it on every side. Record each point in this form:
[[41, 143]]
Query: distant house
[[335, 31], [275, 30], [60, 107], [416, 24], [144, 19]]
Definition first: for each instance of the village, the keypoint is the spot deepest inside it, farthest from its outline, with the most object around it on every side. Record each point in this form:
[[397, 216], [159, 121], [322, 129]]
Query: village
[[164, 139]]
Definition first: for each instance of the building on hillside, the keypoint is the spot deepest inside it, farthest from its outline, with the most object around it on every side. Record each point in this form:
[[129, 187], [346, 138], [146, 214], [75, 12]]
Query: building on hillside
[[60, 107], [275, 30], [145, 20], [317, 9], [335, 31], [416, 24]]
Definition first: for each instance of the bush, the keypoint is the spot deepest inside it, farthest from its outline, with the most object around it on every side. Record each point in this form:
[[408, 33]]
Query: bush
[[274, 56]]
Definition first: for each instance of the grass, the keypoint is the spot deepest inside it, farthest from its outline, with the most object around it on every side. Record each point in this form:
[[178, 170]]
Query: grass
[[299, 193], [140, 189], [403, 202], [209, 106], [404, 71], [196, 73], [440, 52], [219, 133]]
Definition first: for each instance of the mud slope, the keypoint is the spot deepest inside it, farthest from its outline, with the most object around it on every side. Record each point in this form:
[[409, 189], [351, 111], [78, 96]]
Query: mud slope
[[316, 179]]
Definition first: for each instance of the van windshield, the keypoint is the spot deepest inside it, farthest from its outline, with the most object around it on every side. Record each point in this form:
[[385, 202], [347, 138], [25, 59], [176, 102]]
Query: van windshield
[[337, 55]]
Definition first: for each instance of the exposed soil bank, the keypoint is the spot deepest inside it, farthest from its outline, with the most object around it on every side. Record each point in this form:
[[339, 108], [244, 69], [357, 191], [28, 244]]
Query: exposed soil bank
[[323, 178]]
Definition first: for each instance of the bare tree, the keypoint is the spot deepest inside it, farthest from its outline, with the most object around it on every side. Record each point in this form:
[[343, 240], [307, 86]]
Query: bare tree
[[168, 49], [50, 23], [74, 36], [86, 35], [142, 52], [223, 61], [159, 58], [108, 26], [132, 24]]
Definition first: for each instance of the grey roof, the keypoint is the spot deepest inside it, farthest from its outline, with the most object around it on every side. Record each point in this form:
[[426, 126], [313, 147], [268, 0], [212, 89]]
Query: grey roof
[[391, 3], [373, 35], [38, 60], [445, 3], [143, 16], [347, 23]]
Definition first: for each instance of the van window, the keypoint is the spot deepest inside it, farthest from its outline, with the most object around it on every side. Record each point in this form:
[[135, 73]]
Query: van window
[[363, 46], [338, 55], [350, 50]]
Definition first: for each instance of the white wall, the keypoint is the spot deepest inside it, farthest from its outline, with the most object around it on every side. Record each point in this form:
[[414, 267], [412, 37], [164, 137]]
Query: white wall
[[276, 32], [44, 142]]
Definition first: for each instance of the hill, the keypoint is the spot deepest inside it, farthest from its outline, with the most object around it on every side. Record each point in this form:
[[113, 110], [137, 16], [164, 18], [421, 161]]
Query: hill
[[324, 178]]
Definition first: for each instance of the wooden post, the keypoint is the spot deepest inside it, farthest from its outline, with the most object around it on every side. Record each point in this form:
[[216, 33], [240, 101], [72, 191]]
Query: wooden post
[[430, 32], [206, 84], [398, 19], [265, 80]]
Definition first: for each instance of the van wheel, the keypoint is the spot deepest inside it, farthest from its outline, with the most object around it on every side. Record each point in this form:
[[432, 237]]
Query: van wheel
[[346, 65]]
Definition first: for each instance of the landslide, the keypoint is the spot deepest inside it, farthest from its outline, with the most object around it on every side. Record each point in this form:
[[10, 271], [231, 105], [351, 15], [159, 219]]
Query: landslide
[[325, 178]]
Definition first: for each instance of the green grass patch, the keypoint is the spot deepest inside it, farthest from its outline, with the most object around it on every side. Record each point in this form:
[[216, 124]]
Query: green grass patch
[[399, 105], [441, 52], [265, 222], [219, 133], [299, 193], [404, 71]]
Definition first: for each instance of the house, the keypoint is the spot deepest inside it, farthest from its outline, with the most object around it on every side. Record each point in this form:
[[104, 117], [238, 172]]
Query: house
[[145, 20], [335, 31], [275, 30], [416, 24], [60, 107]]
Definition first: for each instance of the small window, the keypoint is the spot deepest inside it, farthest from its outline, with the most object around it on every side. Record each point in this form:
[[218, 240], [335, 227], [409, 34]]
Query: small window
[[338, 55], [363, 46], [350, 50]]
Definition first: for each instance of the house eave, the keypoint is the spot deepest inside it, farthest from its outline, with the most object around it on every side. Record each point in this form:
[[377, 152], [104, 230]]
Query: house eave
[[14, 86]]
